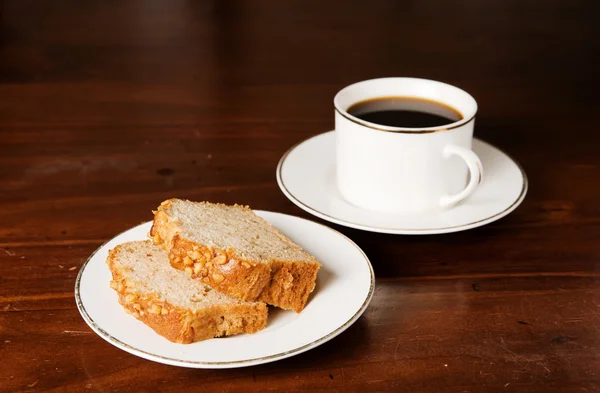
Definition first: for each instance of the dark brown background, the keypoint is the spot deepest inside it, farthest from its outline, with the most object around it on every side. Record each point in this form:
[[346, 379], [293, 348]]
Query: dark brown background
[[107, 108]]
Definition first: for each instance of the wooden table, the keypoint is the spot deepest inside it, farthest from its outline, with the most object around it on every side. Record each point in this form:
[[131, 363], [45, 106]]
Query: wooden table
[[107, 108]]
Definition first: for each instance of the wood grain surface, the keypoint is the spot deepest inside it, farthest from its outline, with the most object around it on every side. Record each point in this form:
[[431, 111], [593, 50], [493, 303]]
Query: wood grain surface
[[107, 108]]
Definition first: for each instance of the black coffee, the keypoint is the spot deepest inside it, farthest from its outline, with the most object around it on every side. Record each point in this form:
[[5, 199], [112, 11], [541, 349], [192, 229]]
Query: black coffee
[[407, 112]]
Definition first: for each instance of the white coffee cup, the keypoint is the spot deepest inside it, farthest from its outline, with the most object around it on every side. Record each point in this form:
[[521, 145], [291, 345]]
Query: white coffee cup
[[408, 170]]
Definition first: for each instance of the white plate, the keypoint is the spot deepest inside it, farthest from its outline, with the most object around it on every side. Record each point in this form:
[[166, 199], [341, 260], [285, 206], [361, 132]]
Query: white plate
[[306, 175], [344, 288]]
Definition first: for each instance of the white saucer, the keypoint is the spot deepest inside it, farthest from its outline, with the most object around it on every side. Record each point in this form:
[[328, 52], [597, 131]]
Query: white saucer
[[306, 175], [344, 289]]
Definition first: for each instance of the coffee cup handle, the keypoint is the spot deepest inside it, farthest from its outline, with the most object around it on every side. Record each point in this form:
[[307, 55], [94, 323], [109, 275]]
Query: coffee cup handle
[[475, 168]]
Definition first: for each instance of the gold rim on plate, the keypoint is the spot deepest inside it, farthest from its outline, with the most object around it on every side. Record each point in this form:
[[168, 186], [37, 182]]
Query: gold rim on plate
[[246, 362]]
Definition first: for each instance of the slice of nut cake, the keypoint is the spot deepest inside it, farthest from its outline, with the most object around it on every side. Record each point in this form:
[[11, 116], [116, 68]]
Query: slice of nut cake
[[235, 251], [177, 307]]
